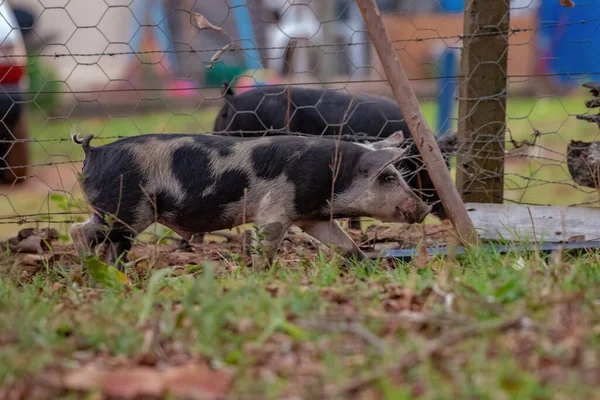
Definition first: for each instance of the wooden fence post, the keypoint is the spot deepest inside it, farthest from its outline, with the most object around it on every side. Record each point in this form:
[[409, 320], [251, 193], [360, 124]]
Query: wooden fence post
[[482, 103], [424, 139]]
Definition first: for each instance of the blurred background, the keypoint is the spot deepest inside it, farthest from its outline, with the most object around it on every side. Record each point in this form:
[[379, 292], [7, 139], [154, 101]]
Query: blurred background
[[118, 68]]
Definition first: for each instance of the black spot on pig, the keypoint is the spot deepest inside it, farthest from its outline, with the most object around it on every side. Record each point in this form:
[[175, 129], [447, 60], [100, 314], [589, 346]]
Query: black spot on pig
[[191, 167], [314, 179], [209, 212], [165, 202], [230, 187], [269, 160]]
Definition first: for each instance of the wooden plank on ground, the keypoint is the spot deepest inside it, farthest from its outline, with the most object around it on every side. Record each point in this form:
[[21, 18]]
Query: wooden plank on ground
[[519, 222]]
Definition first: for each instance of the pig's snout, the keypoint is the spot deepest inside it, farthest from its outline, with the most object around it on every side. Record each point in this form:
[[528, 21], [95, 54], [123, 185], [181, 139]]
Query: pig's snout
[[414, 210]]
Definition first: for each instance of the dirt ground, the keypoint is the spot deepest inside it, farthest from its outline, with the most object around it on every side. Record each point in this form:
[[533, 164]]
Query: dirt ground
[[295, 248]]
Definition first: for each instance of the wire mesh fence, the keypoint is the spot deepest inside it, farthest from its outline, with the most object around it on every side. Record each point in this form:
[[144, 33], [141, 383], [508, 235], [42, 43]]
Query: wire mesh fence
[[119, 68]]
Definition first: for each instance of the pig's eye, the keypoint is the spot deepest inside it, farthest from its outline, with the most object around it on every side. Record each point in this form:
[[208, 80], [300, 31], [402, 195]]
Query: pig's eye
[[389, 178]]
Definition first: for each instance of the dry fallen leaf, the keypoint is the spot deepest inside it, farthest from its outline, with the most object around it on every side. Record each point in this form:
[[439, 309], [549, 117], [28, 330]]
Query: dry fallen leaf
[[133, 383], [567, 3], [191, 381], [203, 23], [85, 378], [197, 381]]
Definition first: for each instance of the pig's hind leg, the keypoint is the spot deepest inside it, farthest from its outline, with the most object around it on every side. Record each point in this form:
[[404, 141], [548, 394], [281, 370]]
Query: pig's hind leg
[[83, 235], [88, 235], [330, 232], [266, 241]]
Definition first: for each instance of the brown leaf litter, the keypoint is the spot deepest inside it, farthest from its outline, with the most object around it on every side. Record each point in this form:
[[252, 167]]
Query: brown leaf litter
[[192, 381], [36, 248]]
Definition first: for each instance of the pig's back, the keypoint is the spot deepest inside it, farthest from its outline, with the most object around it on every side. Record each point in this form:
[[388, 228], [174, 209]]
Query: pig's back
[[315, 112]]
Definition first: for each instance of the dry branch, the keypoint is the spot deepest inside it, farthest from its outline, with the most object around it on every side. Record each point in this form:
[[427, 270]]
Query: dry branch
[[583, 158], [202, 23]]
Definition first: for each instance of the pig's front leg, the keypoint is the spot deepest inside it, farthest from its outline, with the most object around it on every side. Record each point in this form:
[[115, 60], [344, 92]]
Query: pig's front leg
[[268, 239], [330, 232]]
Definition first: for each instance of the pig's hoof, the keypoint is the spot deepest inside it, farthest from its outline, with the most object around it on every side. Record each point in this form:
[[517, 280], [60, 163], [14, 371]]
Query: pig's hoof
[[185, 246]]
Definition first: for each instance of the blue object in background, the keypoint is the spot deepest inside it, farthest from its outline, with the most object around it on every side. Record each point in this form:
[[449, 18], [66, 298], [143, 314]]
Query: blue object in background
[[446, 89], [452, 5], [567, 46], [158, 21], [246, 32], [448, 67]]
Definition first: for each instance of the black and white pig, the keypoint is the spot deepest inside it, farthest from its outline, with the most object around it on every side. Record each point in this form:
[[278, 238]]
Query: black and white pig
[[204, 183], [264, 111]]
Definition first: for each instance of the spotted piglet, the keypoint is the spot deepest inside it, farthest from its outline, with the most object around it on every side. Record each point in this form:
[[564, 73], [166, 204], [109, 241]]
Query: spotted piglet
[[203, 183]]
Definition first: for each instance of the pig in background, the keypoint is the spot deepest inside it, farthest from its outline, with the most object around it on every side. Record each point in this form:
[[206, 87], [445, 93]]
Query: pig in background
[[264, 111], [204, 183]]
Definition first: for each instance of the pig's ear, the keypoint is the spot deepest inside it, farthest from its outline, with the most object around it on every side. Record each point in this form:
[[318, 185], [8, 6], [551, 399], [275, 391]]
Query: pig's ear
[[226, 89], [394, 140], [373, 162]]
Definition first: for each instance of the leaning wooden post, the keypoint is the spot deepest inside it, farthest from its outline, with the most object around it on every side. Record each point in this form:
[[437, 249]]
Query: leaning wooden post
[[424, 139]]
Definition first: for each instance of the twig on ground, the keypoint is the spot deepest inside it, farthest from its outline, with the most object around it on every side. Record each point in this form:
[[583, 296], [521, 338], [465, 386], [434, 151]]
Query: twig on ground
[[355, 328]]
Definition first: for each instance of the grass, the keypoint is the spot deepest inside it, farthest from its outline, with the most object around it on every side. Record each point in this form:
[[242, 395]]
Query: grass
[[313, 328]]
